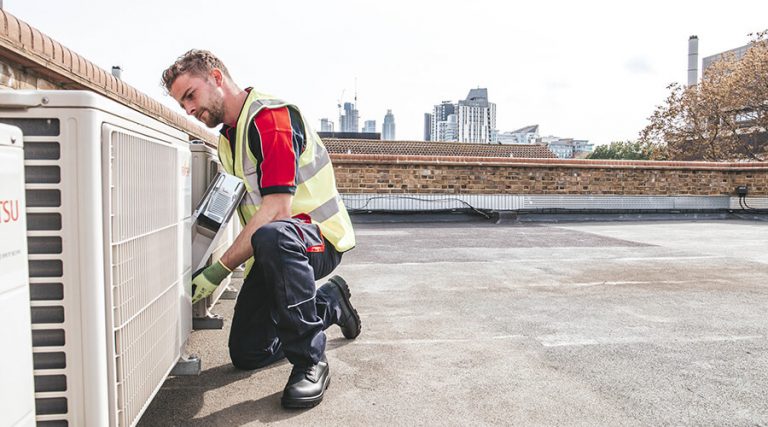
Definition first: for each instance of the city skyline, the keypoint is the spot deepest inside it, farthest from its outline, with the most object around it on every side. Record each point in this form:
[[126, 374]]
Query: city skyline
[[589, 69]]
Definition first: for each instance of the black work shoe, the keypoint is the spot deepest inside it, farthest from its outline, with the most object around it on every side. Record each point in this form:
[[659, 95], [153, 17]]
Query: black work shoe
[[350, 320], [306, 385]]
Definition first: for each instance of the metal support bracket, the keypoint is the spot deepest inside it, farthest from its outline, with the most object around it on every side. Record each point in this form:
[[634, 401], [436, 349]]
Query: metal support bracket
[[209, 321], [229, 293], [239, 272], [187, 365]]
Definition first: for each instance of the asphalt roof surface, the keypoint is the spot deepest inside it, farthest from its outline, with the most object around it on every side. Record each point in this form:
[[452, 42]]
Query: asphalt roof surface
[[611, 323]]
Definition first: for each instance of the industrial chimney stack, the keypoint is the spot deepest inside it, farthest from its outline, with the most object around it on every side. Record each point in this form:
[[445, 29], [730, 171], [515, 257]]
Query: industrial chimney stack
[[693, 60]]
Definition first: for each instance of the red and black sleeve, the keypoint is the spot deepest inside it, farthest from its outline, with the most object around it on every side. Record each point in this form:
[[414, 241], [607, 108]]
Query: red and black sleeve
[[276, 139]]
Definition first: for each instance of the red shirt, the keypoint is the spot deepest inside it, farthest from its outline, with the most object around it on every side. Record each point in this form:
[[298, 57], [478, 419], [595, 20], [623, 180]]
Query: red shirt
[[276, 139]]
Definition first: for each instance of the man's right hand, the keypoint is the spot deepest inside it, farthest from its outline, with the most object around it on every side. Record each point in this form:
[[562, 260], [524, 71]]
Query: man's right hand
[[207, 279]]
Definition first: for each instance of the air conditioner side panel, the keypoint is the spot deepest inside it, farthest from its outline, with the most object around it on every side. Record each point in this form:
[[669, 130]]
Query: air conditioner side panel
[[84, 128], [147, 189]]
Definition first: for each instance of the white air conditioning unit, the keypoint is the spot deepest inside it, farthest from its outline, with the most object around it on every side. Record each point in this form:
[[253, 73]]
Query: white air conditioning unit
[[108, 224], [205, 166], [17, 403]]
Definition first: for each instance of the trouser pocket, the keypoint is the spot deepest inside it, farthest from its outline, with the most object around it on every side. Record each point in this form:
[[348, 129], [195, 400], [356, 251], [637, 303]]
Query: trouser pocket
[[309, 233]]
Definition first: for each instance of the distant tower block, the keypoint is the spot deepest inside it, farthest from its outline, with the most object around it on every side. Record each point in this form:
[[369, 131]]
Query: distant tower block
[[693, 60]]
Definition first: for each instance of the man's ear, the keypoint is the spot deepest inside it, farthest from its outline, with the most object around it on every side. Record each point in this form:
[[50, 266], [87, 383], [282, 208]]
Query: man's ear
[[218, 76]]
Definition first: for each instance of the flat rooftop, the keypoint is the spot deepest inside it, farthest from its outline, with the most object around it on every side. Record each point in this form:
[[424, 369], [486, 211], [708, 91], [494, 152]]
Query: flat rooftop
[[591, 323]]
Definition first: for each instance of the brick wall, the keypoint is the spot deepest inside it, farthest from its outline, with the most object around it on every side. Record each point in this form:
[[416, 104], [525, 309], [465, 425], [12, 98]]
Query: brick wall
[[447, 175], [14, 77]]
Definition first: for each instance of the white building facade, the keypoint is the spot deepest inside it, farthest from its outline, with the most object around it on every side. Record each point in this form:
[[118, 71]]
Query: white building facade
[[526, 135], [567, 148], [474, 119]]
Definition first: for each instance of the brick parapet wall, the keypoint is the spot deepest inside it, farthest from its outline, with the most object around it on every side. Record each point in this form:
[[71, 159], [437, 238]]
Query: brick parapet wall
[[30, 59], [450, 175]]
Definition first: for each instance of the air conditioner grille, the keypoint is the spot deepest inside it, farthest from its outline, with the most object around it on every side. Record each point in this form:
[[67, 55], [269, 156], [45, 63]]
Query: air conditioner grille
[[47, 314], [39, 245], [34, 127], [144, 349], [49, 360], [145, 272], [144, 187], [142, 270], [43, 198], [45, 268], [42, 150], [46, 291], [43, 221], [51, 406], [50, 383], [48, 338], [44, 187], [42, 174]]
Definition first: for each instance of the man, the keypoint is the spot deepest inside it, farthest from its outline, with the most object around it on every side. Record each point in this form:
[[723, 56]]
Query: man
[[295, 227]]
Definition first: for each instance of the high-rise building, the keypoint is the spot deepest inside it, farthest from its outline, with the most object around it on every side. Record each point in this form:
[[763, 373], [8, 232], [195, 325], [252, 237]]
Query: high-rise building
[[474, 119], [349, 119], [440, 115], [369, 126], [447, 130], [427, 127], [388, 128], [326, 125]]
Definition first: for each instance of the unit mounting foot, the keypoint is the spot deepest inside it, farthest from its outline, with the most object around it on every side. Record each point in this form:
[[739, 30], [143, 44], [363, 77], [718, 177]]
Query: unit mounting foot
[[186, 366], [229, 293], [210, 321]]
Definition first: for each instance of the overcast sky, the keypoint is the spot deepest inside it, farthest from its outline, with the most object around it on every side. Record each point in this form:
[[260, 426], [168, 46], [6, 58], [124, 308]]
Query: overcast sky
[[582, 69]]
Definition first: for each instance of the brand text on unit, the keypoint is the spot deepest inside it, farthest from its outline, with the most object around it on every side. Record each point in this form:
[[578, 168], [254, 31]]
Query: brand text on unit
[[9, 211]]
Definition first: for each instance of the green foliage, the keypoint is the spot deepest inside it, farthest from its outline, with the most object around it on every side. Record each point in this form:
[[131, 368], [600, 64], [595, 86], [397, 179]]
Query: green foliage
[[623, 150]]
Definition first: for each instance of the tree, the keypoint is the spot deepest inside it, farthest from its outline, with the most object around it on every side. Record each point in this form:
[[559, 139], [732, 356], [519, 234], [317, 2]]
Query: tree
[[724, 117], [622, 150]]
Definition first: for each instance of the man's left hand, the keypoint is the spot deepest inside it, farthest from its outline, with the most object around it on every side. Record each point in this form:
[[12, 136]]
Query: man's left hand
[[206, 280]]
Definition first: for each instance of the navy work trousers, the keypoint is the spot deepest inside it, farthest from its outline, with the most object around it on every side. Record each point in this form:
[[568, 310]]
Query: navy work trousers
[[279, 313]]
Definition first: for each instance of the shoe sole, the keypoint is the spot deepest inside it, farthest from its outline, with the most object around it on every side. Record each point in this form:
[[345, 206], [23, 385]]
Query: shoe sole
[[307, 402], [346, 294]]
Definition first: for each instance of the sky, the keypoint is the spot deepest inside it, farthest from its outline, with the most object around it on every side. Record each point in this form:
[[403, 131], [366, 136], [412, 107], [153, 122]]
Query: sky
[[579, 69]]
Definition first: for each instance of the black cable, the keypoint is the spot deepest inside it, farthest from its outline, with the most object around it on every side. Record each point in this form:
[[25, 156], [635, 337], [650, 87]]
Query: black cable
[[745, 203], [423, 200]]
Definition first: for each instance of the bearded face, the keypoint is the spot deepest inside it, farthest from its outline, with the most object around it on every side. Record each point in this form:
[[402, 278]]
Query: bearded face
[[213, 113], [200, 97]]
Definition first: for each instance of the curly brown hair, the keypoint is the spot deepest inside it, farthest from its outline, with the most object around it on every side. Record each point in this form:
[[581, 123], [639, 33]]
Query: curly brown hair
[[197, 62]]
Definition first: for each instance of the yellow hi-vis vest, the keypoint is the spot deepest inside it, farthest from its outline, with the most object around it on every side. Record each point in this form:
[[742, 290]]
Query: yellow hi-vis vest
[[316, 193]]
